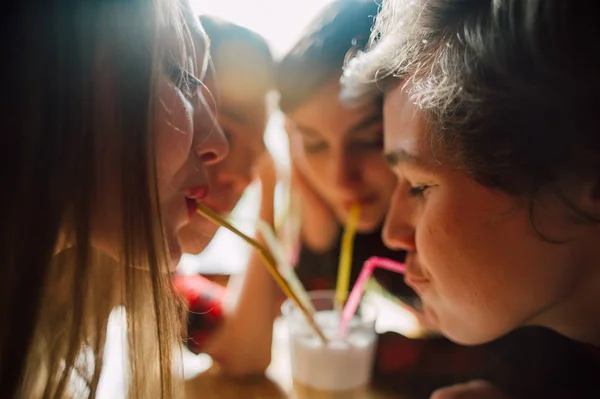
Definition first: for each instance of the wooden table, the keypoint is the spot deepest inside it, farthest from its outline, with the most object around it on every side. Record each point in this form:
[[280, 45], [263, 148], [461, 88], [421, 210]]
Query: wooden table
[[277, 383]]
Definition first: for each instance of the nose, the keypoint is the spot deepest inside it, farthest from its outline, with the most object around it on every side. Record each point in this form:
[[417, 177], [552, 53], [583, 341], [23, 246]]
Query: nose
[[345, 171], [210, 144], [398, 230]]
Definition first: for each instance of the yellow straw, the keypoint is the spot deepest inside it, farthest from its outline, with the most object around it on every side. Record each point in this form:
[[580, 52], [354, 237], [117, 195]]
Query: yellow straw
[[269, 260], [285, 268], [345, 263]]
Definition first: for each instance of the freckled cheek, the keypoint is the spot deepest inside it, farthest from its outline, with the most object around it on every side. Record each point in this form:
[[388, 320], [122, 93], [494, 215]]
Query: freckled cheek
[[450, 256], [430, 247], [438, 239]]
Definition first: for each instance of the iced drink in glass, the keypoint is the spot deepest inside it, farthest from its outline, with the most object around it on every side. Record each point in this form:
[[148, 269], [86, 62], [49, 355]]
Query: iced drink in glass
[[340, 369]]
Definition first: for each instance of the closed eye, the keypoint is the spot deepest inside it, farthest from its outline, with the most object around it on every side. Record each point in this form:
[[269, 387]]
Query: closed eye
[[184, 80], [315, 147], [418, 191]]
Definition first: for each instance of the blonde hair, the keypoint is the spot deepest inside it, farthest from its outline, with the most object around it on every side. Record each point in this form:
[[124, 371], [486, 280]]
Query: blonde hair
[[54, 308]]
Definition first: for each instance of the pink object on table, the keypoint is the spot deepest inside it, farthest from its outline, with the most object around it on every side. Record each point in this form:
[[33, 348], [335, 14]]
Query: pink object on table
[[359, 287]]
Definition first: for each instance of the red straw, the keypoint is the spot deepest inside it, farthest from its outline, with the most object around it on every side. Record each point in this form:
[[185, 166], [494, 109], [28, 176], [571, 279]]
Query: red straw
[[359, 287]]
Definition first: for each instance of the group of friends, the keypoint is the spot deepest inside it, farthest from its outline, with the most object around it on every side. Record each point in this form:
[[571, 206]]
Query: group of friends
[[465, 131]]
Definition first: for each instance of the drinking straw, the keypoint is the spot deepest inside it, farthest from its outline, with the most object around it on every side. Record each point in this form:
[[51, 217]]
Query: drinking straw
[[285, 268], [269, 260], [345, 262], [283, 264], [359, 287]]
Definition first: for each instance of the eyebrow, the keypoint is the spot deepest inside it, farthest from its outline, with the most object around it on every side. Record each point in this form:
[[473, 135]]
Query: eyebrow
[[396, 157]]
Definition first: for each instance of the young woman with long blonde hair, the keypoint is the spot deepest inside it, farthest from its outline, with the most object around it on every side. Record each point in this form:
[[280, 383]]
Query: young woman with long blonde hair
[[106, 136]]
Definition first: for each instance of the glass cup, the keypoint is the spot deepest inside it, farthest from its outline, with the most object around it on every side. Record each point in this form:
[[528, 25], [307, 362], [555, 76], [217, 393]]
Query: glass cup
[[342, 368]]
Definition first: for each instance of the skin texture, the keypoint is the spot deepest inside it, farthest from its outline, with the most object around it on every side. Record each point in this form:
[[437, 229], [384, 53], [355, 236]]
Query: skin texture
[[473, 255], [337, 160], [249, 306], [188, 140], [242, 114]]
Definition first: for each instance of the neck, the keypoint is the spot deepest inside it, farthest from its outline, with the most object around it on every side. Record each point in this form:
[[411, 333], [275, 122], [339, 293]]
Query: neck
[[578, 315]]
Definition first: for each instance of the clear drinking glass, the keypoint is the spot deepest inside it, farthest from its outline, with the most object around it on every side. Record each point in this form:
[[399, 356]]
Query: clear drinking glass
[[342, 368]]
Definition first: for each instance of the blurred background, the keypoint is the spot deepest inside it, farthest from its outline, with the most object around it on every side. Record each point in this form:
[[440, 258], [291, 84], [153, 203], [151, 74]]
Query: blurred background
[[280, 22]]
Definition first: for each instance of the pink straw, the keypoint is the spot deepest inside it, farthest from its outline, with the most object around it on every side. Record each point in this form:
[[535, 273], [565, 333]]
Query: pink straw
[[357, 291]]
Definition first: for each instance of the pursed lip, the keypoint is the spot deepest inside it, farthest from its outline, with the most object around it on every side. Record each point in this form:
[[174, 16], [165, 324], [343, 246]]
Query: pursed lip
[[194, 195], [414, 278], [418, 284]]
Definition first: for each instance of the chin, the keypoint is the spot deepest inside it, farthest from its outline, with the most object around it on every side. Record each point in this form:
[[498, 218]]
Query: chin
[[369, 225], [469, 336], [196, 237], [365, 225], [195, 244], [367, 228]]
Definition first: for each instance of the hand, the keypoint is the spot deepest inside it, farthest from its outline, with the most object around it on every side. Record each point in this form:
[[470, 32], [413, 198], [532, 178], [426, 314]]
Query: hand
[[311, 200], [319, 225], [476, 389], [266, 170], [301, 184]]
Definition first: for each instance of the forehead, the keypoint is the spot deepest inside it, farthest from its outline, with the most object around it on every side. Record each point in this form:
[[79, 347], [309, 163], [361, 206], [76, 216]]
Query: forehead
[[325, 113], [242, 96], [239, 63], [249, 119], [246, 87], [405, 126]]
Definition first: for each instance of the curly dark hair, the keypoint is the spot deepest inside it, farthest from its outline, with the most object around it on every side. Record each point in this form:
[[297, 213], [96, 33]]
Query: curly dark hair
[[510, 87]]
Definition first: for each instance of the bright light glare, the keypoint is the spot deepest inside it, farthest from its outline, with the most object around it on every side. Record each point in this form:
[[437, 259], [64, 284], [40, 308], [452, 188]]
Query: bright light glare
[[278, 21]]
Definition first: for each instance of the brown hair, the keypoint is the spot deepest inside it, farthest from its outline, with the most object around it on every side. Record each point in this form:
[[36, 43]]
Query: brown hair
[[340, 28], [508, 86], [58, 138]]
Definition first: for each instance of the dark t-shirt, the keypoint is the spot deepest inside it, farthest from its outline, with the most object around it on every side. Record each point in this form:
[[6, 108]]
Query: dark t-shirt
[[529, 363], [532, 362], [318, 271]]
